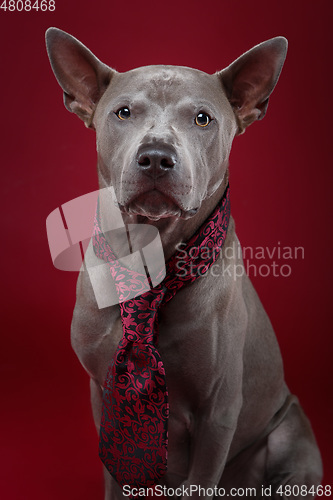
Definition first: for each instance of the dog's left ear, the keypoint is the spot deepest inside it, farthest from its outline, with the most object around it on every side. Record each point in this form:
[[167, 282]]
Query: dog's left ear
[[251, 79]]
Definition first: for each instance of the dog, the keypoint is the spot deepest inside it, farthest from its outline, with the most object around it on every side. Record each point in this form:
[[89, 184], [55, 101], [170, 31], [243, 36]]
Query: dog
[[164, 135]]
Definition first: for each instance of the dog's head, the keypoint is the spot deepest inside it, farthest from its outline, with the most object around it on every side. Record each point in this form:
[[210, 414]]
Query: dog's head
[[164, 133]]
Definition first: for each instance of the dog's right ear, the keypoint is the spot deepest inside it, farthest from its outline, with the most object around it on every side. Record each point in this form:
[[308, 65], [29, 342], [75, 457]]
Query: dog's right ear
[[80, 74]]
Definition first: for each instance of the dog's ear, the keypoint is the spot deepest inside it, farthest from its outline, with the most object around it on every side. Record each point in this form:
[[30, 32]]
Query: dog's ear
[[80, 74], [250, 80]]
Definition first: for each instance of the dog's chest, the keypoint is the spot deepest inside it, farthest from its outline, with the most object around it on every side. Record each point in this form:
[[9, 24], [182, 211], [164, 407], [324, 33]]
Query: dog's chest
[[191, 344], [187, 341]]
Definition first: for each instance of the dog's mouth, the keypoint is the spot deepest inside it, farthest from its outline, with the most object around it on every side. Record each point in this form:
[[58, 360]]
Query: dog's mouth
[[156, 205]]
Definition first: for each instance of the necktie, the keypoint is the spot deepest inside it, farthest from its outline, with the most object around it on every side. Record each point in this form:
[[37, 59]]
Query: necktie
[[134, 426]]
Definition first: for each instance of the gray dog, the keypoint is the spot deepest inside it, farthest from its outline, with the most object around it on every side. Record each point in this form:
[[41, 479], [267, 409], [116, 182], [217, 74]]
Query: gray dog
[[164, 135]]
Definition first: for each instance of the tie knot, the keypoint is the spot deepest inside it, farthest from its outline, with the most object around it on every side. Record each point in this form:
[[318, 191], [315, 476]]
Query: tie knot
[[139, 316]]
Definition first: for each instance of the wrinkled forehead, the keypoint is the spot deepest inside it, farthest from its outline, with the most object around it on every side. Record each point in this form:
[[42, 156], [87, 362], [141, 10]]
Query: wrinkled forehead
[[166, 84]]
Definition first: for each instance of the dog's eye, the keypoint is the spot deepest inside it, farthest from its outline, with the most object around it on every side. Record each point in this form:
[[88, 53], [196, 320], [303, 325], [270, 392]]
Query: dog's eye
[[123, 113], [202, 119]]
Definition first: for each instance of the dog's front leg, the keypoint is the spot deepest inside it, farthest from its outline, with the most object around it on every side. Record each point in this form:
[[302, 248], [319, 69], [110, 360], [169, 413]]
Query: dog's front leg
[[210, 443]]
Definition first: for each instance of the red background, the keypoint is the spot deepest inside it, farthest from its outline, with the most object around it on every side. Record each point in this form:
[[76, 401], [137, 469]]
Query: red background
[[281, 178]]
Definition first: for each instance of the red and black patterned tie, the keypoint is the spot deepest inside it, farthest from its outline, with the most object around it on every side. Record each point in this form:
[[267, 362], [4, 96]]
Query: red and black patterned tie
[[134, 427]]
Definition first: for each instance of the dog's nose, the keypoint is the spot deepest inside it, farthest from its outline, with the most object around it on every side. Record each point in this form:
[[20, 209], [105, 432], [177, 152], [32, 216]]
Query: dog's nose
[[156, 160]]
